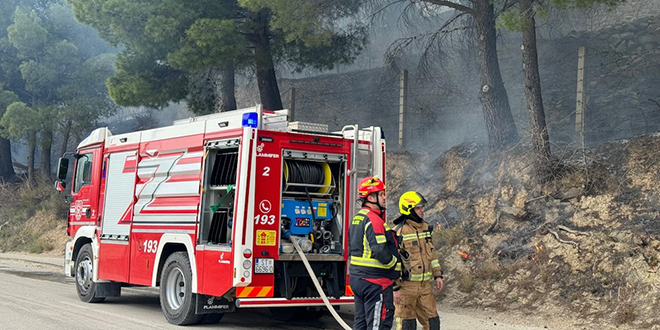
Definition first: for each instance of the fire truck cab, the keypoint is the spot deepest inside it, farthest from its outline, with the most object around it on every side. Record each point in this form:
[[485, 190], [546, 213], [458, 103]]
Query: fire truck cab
[[207, 209]]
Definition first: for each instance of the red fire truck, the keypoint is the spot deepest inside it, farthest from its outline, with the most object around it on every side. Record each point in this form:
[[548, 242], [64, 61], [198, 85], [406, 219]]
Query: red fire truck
[[207, 209]]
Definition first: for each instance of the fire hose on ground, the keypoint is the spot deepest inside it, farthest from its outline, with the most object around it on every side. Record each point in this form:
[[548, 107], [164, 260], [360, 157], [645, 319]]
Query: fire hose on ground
[[318, 286]]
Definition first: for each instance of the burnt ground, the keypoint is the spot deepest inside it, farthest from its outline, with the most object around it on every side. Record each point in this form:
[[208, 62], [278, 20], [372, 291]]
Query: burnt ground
[[586, 243]]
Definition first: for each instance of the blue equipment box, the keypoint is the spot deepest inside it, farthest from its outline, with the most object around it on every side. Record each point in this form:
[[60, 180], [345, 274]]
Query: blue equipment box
[[300, 214]]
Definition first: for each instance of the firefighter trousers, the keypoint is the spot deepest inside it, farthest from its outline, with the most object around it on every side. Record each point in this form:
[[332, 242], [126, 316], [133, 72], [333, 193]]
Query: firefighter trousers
[[374, 305], [417, 302]]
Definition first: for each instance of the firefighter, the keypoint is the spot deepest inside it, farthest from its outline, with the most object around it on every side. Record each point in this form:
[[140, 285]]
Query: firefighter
[[374, 263], [420, 267]]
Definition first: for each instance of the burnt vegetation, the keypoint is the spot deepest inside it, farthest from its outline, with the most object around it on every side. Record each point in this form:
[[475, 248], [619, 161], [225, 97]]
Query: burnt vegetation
[[585, 242]]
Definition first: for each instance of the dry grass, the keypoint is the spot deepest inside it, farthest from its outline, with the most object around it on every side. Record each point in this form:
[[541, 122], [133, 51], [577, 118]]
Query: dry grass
[[449, 237], [466, 283], [625, 313], [33, 217], [490, 270]]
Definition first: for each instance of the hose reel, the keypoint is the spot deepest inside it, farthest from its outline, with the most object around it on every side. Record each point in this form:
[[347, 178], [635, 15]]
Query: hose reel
[[305, 177]]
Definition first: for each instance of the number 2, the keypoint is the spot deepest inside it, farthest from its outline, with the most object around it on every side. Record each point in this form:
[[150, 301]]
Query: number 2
[[266, 171]]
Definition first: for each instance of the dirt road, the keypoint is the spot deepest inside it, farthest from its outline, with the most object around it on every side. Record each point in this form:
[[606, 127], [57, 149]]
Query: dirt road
[[36, 295]]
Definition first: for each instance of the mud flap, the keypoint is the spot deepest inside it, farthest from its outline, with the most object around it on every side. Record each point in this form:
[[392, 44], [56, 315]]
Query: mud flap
[[209, 304], [108, 290]]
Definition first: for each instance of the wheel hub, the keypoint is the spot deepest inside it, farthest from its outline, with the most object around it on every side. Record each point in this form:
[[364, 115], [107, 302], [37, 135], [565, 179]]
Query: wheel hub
[[175, 288], [84, 274]]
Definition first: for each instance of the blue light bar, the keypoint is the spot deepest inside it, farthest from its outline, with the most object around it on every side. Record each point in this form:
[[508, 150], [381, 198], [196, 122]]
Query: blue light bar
[[250, 119]]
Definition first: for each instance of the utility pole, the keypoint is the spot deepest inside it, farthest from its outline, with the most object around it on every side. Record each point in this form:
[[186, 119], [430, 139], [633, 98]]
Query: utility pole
[[579, 100], [403, 105]]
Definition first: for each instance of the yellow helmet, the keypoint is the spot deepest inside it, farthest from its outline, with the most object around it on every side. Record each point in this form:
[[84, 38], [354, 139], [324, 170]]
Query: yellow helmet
[[409, 200]]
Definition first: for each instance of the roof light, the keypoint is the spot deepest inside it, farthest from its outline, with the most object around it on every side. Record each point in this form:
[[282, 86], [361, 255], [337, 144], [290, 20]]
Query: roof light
[[250, 119]]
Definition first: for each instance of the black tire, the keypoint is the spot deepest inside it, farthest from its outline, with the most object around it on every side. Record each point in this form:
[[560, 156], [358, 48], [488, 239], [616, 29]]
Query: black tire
[[211, 318], [315, 314], [285, 314], [176, 298], [86, 287]]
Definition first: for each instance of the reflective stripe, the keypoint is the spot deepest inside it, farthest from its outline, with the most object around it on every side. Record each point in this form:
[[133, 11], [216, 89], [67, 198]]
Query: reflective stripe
[[377, 312], [435, 263], [380, 239], [366, 249], [398, 267], [421, 277], [409, 237], [369, 262]]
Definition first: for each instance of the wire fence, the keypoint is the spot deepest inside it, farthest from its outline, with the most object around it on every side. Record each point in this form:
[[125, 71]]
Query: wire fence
[[621, 87]]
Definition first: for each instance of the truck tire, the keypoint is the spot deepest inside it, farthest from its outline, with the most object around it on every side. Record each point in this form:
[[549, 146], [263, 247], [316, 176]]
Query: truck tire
[[86, 287], [286, 314], [211, 318], [176, 297]]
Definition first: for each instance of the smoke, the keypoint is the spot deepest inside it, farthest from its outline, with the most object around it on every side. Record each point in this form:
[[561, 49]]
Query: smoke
[[443, 109]]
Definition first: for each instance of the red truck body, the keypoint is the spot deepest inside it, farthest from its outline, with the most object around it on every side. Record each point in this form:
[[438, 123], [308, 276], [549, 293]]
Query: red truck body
[[205, 209]]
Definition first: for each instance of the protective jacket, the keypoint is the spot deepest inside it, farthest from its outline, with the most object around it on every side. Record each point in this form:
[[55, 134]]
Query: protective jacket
[[421, 263], [372, 247]]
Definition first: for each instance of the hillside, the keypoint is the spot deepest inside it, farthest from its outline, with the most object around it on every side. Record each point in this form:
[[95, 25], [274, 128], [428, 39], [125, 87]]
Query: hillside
[[585, 245]]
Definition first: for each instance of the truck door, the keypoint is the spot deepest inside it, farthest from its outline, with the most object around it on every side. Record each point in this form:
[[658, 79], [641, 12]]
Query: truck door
[[118, 198], [225, 218], [85, 189]]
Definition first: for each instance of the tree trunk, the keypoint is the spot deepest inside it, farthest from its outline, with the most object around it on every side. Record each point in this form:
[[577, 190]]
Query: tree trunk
[[266, 79], [6, 167], [227, 88], [494, 100], [32, 146], [537, 127], [65, 137], [46, 146]]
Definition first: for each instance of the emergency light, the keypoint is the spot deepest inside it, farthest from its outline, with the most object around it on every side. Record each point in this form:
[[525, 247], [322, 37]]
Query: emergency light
[[250, 119]]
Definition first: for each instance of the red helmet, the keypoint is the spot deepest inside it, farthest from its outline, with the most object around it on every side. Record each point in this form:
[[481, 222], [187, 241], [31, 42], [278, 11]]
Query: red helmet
[[368, 185]]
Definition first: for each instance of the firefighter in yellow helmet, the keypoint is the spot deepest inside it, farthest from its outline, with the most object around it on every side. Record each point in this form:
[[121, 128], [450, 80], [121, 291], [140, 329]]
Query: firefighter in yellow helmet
[[421, 268]]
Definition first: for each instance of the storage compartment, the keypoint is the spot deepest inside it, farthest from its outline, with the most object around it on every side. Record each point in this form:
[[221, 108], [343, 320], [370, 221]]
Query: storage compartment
[[220, 171], [311, 208]]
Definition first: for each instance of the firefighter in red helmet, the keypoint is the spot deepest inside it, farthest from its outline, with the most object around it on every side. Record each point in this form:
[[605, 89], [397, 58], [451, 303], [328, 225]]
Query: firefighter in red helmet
[[420, 267], [374, 262]]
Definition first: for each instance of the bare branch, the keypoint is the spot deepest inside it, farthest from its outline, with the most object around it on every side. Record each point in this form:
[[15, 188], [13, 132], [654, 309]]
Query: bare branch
[[560, 240], [453, 5], [379, 13]]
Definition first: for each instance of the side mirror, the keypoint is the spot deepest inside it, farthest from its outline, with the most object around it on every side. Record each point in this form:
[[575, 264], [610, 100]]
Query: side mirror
[[60, 185], [62, 168]]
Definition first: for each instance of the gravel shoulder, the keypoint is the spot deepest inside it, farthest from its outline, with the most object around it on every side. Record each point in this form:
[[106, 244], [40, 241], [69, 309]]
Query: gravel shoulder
[[21, 264]]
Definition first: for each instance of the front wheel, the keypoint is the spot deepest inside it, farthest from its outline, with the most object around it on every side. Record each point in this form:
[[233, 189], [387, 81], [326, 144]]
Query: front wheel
[[176, 297], [86, 287]]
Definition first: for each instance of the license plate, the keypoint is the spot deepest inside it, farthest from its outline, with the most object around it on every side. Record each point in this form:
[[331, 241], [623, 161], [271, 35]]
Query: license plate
[[264, 266]]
